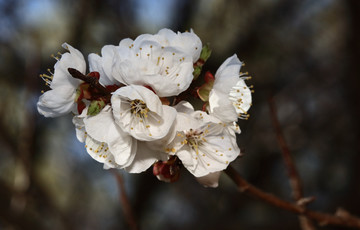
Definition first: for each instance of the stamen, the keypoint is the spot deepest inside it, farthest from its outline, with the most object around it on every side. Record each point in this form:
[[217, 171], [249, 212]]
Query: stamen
[[47, 78], [55, 57], [141, 112]]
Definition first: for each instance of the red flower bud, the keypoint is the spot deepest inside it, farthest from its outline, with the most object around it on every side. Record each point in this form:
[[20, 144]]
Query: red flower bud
[[94, 74], [167, 171]]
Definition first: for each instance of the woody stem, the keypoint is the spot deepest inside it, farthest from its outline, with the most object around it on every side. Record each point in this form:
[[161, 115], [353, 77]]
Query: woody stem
[[94, 82]]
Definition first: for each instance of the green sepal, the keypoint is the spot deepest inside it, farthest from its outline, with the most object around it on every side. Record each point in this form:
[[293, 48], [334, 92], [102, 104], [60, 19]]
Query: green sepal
[[197, 72], [205, 53], [95, 107], [204, 56]]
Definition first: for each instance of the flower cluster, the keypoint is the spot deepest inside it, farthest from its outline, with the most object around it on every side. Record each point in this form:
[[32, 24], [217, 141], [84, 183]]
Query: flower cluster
[[132, 109]]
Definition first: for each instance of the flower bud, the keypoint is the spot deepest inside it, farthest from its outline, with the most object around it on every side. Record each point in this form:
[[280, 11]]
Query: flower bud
[[167, 171]]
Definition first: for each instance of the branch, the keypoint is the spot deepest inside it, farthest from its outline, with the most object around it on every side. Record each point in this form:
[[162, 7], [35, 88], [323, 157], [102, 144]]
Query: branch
[[295, 181], [94, 82], [341, 218], [294, 178], [125, 201]]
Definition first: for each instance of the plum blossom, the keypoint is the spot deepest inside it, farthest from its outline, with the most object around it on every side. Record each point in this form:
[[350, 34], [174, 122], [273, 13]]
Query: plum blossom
[[106, 143], [188, 42], [230, 97], [203, 143], [139, 112], [160, 61], [59, 100], [132, 109]]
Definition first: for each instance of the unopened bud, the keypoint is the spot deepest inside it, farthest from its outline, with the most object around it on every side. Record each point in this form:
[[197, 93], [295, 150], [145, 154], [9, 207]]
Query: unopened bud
[[167, 171], [94, 74]]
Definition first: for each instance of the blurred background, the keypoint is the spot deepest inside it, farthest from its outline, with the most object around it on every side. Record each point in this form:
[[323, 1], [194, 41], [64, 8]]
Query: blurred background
[[303, 53]]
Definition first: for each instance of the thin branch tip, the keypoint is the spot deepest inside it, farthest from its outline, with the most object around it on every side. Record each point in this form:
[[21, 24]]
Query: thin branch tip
[[342, 218]]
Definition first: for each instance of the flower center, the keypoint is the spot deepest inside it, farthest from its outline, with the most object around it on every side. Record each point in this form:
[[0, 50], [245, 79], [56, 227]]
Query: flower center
[[139, 108], [194, 139]]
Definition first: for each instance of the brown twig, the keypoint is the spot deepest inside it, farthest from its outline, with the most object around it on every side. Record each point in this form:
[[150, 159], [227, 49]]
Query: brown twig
[[94, 82], [294, 178], [295, 181], [125, 201], [347, 220]]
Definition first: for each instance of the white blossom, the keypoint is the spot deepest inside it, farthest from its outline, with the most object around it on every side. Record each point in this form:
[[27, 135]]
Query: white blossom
[[230, 97], [139, 112], [123, 115], [59, 100], [187, 42], [108, 144], [160, 61], [203, 143]]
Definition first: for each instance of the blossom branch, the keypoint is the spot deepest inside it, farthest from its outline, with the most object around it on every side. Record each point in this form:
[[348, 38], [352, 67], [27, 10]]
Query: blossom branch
[[294, 178], [295, 181], [125, 201], [341, 218], [93, 81]]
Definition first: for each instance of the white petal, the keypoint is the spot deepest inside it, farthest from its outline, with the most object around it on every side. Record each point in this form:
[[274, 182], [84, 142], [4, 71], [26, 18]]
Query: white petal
[[123, 70], [165, 36], [240, 95], [78, 121], [211, 180], [57, 102], [108, 53], [104, 65], [73, 59], [103, 128], [78, 58], [143, 39], [62, 77], [99, 151], [186, 156], [190, 43], [184, 107], [95, 64], [126, 43], [174, 83], [98, 126], [166, 70], [228, 74], [234, 127], [184, 122], [187, 42], [160, 130], [122, 146], [221, 107], [144, 158]]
